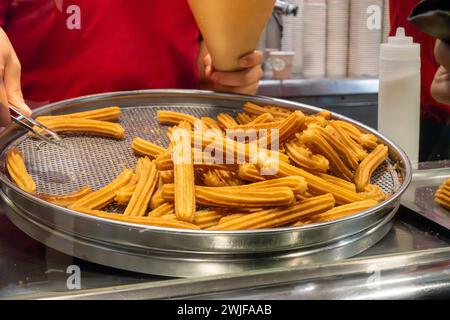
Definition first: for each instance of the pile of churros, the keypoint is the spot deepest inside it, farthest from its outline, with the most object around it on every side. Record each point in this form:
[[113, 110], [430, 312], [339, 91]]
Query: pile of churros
[[268, 167], [442, 196]]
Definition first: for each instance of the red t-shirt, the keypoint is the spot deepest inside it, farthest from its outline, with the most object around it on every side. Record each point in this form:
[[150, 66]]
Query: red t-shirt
[[400, 11], [70, 48]]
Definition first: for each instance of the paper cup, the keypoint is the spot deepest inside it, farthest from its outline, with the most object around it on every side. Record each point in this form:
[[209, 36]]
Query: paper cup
[[231, 28], [282, 64]]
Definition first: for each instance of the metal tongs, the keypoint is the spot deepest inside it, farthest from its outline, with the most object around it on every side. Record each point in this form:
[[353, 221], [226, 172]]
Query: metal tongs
[[30, 124]]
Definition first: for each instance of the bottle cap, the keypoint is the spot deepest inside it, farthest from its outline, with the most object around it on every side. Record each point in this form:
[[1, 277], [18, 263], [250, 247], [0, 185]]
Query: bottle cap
[[400, 47]]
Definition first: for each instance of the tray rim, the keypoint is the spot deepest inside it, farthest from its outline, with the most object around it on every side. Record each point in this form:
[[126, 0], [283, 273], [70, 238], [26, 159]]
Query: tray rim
[[15, 134]]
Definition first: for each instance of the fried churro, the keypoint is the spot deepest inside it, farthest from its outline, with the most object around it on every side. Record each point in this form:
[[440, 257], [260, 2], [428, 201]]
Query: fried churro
[[157, 199], [184, 180], [442, 195], [101, 198], [173, 118], [369, 165], [124, 194], [207, 218], [373, 192], [316, 185], [317, 143], [230, 197], [66, 199], [338, 181], [211, 123], [344, 211], [297, 184], [249, 172], [148, 221], [230, 217], [256, 110], [86, 126], [101, 114], [259, 120], [18, 172], [273, 218], [146, 148], [344, 136], [303, 157], [167, 176], [162, 210], [243, 118], [226, 121], [145, 187], [221, 178]]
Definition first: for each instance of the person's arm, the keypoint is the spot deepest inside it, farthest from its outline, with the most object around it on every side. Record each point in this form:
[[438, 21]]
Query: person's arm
[[10, 89], [244, 82], [440, 89]]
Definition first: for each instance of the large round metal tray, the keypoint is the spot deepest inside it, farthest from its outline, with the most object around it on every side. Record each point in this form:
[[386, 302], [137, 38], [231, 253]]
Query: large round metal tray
[[94, 161]]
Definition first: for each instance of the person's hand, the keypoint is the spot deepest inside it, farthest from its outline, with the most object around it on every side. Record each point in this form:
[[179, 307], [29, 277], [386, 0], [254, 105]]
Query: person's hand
[[440, 89], [245, 81], [9, 80]]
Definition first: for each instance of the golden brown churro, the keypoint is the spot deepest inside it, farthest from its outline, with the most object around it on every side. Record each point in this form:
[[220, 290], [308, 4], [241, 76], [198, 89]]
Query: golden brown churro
[[256, 110], [207, 218], [443, 195], [369, 165], [173, 118], [162, 210], [220, 178], [167, 176], [303, 157], [145, 187], [316, 142], [226, 121], [211, 123], [148, 221], [101, 198], [102, 114], [230, 217], [146, 148], [18, 171], [338, 181], [262, 119], [87, 126], [66, 199], [337, 130], [157, 199], [229, 197], [273, 218], [249, 172], [184, 181], [124, 194], [373, 192], [297, 184], [243, 118], [316, 185], [345, 210]]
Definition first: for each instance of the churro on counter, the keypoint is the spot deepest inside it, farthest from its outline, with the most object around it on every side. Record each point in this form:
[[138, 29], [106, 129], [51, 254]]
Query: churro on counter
[[18, 172], [442, 195], [318, 171]]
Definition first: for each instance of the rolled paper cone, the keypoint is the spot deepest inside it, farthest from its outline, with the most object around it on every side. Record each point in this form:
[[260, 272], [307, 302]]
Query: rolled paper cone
[[231, 28]]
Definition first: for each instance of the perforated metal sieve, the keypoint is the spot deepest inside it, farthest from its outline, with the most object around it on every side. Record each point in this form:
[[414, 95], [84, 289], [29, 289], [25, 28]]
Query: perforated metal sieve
[[95, 161]]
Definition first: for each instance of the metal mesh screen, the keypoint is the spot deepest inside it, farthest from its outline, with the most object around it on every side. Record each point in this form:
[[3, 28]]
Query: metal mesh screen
[[95, 161]]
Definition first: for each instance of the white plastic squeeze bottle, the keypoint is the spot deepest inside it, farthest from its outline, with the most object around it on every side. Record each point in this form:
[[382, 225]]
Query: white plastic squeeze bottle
[[399, 93]]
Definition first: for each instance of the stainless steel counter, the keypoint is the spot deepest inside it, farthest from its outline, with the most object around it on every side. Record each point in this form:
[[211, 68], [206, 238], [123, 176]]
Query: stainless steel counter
[[412, 261]]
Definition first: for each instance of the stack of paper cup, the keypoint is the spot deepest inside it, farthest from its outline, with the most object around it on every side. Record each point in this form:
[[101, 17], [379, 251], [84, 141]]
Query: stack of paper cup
[[386, 21], [314, 38], [365, 37], [292, 39], [337, 37]]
